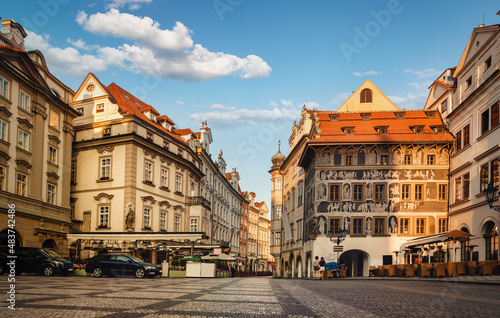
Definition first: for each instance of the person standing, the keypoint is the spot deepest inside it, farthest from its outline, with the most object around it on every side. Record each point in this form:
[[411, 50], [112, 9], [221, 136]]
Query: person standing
[[322, 264], [316, 267]]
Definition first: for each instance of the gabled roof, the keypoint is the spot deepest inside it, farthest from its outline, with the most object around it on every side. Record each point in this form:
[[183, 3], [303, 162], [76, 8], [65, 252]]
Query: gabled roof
[[165, 118], [228, 176], [365, 131], [481, 33], [380, 101]]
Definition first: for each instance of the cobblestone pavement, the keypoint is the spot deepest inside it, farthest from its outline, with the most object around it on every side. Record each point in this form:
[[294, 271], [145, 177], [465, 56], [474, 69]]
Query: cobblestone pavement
[[38, 296]]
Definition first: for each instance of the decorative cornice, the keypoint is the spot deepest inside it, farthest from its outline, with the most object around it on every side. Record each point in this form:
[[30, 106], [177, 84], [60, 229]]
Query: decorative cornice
[[23, 162], [68, 128], [5, 155], [52, 175], [54, 138], [5, 110], [487, 152], [106, 149], [148, 153], [103, 195], [165, 160], [164, 202], [148, 197], [38, 109], [179, 167], [24, 121]]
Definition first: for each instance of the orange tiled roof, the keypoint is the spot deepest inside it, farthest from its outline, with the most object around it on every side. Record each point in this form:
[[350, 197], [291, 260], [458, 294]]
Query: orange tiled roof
[[150, 108], [228, 175], [165, 118], [131, 105], [398, 130], [185, 131]]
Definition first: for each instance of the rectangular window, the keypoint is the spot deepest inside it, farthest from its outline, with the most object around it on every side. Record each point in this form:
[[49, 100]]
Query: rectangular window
[[443, 225], [178, 183], [3, 130], [495, 171], [484, 177], [163, 221], [104, 216], [165, 144], [278, 212], [51, 193], [2, 178], [408, 159], [73, 172], [468, 82], [431, 159], [334, 226], [106, 131], [193, 225], [379, 226], [21, 184], [105, 168], [164, 178], [458, 140], [22, 141], [458, 189], [52, 155], [420, 226], [384, 160], [147, 218], [179, 152], [279, 184], [348, 160], [334, 192], [487, 63], [466, 186], [99, 108], [485, 121], [177, 224], [494, 115], [299, 231], [148, 171], [80, 111], [25, 101], [444, 106], [4, 88], [357, 226], [379, 192], [300, 197], [443, 192], [405, 193], [54, 120], [466, 135], [419, 192], [358, 192], [404, 225], [149, 136]]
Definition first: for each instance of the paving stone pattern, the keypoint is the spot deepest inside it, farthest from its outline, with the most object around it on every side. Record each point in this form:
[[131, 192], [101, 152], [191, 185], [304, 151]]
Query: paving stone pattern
[[38, 297]]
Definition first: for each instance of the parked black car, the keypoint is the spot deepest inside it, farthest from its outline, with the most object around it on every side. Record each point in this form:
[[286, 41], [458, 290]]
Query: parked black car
[[119, 264], [36, 260]]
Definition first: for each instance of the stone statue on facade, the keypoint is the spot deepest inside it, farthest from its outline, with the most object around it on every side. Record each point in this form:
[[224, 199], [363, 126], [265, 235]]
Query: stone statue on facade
[[129, 216]]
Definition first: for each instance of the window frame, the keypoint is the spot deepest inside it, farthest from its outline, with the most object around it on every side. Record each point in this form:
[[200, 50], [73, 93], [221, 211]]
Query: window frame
[[377, 223], [357, 229], [101, 215], [51, 193], [23, 141], [195, 224], [420, 226], [22, 183], [146, 217], [24, 101], [148, 171], [178, 183], [4, 87], [338, 192], [402, 226], [108, 167], [4, 130]]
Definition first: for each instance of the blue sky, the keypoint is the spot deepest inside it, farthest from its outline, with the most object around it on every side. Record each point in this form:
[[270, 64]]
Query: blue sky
[[248, 66]]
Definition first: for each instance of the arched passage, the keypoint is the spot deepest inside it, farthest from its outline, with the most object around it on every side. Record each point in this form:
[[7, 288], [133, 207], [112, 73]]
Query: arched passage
[[51, 244], [291, 266], [357, 262], [299, 266]]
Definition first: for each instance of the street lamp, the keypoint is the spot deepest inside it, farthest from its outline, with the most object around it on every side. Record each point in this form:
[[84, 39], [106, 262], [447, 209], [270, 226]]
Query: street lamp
[[491, 194]]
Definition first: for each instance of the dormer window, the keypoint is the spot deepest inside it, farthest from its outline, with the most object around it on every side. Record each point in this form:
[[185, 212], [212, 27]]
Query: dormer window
[[366, 116], [438, 129], [366, 96], [348, 131], [444, 105], [334, 117], [106, 131], [430, 114], [99, 108], [419, 130], [382, 130], [400, 115]]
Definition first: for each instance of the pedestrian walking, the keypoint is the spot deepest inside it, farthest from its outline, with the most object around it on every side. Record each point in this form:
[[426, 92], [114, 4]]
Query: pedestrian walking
[[322, 264], [316, 267]]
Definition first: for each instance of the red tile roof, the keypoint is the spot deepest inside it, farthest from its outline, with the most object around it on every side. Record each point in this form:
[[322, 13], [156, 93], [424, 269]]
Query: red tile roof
[[131, 105], [398, 130], [185, 131], [165, 118]]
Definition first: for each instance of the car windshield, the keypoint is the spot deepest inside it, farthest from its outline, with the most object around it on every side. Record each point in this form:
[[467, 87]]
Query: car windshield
[[51, 253], [136, 259]]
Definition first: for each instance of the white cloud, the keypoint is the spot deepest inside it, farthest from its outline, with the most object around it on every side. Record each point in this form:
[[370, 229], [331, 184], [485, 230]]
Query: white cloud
[[340, 99], [179, 102], [67, 60], [80, 44], [428, 72], [165, 53], [273, 104], [366, 73], [287, 103], [415, 98], [245, 116], [221, 107], [311, 105], [133, 4]]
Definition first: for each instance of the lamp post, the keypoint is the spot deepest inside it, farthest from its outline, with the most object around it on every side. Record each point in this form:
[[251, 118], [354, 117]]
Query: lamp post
[[491, 194], [338, 238]]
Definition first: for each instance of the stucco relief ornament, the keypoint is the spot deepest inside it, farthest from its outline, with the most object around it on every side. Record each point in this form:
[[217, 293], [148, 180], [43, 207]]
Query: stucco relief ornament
[[130, 216]]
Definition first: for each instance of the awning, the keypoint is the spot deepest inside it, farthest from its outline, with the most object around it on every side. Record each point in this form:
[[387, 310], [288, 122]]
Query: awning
[[436, 238], [220, 257]]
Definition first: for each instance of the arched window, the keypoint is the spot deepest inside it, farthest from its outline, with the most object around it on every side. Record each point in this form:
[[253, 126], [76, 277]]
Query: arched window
[[491, 240], [361, 157], [366, 96]]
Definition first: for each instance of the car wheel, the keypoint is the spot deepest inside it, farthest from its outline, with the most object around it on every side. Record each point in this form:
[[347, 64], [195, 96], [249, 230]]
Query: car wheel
[[139, 273], [48, 270], [97, 272]]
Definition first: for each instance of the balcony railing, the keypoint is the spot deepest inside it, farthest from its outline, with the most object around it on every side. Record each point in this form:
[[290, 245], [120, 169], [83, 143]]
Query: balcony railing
[[199, 200]]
